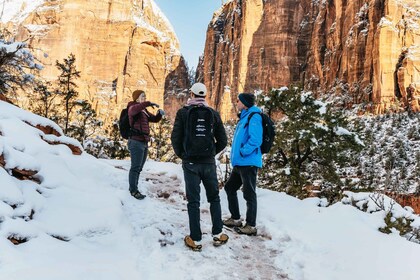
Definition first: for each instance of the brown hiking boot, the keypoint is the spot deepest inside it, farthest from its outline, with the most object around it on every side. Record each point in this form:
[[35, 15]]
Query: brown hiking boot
[[220, 239], [246, 229], [193, 245], [232, 222]]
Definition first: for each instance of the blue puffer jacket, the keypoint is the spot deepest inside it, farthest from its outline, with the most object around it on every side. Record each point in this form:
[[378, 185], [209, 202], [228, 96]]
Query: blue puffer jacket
[[246, 143]]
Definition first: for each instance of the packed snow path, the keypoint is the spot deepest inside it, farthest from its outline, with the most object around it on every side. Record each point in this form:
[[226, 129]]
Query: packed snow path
[[160, 223]]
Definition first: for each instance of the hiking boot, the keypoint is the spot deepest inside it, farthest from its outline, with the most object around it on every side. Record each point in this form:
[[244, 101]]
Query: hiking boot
[[138, 195], [193, 245], [232, 222], [220, 239], [246, 229]]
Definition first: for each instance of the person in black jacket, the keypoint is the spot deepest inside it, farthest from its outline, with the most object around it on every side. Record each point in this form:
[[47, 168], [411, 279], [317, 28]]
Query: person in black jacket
[[200, 167]]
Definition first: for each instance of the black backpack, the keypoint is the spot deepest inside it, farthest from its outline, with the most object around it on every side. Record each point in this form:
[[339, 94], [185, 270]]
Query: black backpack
[[124, 125], [269, 131], [199, 137]]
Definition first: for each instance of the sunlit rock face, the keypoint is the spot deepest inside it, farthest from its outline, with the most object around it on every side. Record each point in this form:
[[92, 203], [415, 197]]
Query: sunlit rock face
[[367, 51], [120, 46]]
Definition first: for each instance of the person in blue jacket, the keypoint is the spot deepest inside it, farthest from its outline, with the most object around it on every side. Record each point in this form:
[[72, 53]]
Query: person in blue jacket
[[246, 158]]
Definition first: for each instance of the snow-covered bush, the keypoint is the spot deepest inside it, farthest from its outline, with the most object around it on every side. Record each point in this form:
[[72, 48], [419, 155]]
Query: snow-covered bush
[[397, 219], [16, 64], [110, 145], [391, 159], [312, 141]]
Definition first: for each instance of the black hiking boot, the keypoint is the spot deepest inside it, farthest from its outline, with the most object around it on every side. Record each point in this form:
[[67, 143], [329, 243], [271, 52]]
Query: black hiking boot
[[246, 229], [232, 222], [138, 195]]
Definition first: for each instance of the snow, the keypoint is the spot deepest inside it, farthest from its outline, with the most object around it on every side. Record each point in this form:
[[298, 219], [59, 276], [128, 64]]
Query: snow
[[17, 10], [85, 225]]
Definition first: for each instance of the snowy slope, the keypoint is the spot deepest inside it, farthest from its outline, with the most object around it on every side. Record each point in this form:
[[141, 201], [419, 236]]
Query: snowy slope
[[85, 225]]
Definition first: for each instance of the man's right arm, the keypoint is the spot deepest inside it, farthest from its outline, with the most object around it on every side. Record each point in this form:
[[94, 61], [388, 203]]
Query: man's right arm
[[177, 136]]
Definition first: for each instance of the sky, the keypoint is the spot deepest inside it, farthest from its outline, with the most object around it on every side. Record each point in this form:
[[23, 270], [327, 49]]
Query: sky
[[190, 20], [80, 222]]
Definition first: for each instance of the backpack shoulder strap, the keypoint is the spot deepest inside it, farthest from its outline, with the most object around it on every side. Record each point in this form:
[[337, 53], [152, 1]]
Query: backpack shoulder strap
[[250, 116]]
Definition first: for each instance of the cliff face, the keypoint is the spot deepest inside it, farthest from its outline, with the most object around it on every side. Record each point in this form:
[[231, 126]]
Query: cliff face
[[365, 50], [120, 46]]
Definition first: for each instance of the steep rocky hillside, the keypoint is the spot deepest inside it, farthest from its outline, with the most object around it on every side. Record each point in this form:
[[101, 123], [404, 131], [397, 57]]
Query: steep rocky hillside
[[120, 45], [366, 50]]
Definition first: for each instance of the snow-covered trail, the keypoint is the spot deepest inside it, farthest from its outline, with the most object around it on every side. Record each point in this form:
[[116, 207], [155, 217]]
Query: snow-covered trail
[[160, 223]]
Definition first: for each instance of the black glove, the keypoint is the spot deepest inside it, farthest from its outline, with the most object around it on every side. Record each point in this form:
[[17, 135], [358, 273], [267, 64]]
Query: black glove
[[154, 105], [160, 111]]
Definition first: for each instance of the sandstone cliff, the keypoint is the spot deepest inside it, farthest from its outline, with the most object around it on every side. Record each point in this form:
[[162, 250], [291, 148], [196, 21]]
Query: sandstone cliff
[[120, 45], [365, 50]]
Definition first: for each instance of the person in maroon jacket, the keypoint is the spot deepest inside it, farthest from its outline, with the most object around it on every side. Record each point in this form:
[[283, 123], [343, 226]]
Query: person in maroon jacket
[[138, 141]]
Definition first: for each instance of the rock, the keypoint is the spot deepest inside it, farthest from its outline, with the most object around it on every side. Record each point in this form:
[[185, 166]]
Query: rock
[[120, 46], [364, 50]]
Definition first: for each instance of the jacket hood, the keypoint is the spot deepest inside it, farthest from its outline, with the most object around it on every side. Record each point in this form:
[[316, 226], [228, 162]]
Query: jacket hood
[[246, 112], [131, 103]]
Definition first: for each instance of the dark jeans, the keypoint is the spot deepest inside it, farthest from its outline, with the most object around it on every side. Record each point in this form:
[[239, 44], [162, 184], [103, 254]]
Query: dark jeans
[[245, 176], [194, 174], [138, 153]]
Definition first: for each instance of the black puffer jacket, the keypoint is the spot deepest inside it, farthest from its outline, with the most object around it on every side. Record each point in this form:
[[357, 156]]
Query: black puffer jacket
[[178, 132]]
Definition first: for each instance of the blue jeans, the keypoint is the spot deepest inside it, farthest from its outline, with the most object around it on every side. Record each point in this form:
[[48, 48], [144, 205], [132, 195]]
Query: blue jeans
[[245, 176], [138, 153], [194, 174]]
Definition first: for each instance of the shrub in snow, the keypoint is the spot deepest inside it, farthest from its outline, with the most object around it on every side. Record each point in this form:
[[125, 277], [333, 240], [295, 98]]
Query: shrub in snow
[[391, 161], [43, 100], [396, 218], [85, 122], [311, 142], [110, 146], [16, 64], [160, 146]]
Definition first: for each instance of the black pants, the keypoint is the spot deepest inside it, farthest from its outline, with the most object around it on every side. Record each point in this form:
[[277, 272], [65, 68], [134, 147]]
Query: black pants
[[194, 174], [245, 176]]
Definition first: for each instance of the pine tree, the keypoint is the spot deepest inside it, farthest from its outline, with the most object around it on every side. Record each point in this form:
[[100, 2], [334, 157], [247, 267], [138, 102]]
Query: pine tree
[[311, 141], [16, 64], [43, 100], [67, 86], [85, 123]]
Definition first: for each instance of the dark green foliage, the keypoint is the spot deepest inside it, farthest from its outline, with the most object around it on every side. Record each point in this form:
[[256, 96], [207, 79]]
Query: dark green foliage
[[17, 64], [85, 123], [160, 146], [311, 142], [391, 153], [43, 100], [402, 224], [67, 86], [110, 146]]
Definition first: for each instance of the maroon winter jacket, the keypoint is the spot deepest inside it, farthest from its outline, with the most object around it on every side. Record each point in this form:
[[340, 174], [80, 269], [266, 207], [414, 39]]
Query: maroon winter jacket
[[142, 121]]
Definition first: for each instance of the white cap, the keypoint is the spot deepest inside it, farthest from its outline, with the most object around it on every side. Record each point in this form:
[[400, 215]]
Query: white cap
[[199, 89]]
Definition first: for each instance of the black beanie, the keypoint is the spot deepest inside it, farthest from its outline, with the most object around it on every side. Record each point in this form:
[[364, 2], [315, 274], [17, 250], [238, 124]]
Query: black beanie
[[248, 99]]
